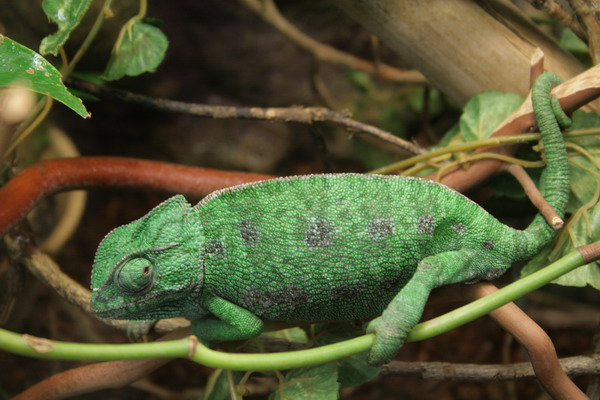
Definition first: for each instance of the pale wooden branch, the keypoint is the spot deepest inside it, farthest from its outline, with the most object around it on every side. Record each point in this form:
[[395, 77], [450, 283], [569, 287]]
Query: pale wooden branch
[[304, 115], [462, 47], [267, 10], [572, 94]]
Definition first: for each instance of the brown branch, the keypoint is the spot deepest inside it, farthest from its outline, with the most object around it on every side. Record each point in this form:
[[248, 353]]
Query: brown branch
[[267, 10], [537, 343], [572, 94], [588, 12], [534, 195], [555, 10], [304, 115], [573, 366]]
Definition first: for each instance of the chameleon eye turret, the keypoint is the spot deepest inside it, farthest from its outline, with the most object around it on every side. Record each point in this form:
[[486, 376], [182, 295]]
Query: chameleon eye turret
[[135, 276]]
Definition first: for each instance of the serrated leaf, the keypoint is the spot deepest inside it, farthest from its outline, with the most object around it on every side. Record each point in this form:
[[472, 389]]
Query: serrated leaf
[[141, 49], [20, 66], [485, 111], [66, 14], [220, 389], [310, 383]]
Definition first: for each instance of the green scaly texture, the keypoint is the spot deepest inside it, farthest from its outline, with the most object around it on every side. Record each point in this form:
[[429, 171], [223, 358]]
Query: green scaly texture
[[327, 247]]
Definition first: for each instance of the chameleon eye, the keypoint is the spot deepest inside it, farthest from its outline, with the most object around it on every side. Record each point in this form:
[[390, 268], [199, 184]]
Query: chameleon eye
[[135, 276]]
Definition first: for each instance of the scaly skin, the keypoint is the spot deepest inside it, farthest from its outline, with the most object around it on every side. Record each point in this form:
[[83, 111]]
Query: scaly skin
[[313, 248]]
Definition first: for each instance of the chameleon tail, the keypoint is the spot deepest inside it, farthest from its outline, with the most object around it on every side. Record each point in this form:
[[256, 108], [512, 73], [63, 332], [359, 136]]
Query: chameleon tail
[[554, 183]]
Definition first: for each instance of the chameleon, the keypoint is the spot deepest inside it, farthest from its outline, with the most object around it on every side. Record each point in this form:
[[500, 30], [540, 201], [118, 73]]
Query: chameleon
[[324, 247]]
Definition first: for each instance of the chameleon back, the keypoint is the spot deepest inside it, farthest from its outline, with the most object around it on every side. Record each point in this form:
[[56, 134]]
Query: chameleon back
[[332, 247]]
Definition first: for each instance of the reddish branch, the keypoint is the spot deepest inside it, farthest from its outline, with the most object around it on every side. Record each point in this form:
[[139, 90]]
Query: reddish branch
[[25, 189], [537, 343]]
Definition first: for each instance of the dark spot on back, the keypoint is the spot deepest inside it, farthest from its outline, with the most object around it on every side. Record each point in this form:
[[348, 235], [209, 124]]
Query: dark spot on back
[[460, 229], [320, 233], [488, 244], [249, 232], [380, 228], [391, 284], [345, 292], [214, 248], [426, 224]]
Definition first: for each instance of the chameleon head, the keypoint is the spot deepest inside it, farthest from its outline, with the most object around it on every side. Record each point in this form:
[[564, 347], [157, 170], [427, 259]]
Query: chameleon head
[[150, 268]]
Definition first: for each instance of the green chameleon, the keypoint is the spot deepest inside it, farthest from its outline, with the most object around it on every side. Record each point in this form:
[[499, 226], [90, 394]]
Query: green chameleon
[[331, 247]]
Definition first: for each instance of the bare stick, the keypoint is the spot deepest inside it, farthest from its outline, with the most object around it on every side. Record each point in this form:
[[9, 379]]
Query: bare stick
[[267, 10], [435, 370], [304, 115], [535, 195]]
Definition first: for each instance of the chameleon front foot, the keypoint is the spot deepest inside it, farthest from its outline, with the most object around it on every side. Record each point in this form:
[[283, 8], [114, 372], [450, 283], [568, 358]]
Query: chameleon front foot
[[388, 340]]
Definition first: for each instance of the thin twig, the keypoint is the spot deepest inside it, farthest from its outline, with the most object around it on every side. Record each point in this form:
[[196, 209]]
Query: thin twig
[[304, 115], [267, 10], [534, 195], [564, 16], [573, 366]]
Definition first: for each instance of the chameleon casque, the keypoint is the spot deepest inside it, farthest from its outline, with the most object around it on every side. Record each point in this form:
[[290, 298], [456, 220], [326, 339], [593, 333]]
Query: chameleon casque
[[331, 247]]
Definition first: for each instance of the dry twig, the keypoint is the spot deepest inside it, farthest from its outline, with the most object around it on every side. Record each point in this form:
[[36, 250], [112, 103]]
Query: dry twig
[[304, 115], [267, 10]]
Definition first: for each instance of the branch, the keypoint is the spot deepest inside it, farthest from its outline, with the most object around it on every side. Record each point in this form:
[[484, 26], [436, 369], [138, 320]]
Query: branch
[[572, 94], [304, 115], [267, 10], [28, 187], [537, 343], [573, 366]]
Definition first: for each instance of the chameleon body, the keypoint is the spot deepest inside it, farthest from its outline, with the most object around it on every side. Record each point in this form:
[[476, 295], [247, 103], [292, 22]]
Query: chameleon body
[[315, 248]]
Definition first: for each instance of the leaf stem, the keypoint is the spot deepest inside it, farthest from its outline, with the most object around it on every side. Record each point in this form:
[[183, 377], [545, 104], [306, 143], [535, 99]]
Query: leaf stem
[[88, 39]]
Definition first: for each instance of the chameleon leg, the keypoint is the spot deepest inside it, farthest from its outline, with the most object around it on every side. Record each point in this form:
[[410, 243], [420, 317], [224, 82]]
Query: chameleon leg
[[405, 310], [233, 323]]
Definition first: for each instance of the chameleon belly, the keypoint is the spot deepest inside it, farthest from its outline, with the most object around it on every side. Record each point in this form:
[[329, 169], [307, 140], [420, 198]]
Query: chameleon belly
[[329, 247]]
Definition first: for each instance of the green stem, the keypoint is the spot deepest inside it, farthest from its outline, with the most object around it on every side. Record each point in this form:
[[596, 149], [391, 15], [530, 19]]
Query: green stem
[[88, 39], [18, 344], [493, 141]]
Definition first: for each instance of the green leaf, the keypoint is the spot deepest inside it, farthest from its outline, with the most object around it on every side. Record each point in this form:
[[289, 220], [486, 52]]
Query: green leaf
[[582, 276], [485, 111], [294, 334], [219, 390], [311, 383], [140, 48], [66, 14], [360, 80], [20, 66], [573, 44], [353, 370]]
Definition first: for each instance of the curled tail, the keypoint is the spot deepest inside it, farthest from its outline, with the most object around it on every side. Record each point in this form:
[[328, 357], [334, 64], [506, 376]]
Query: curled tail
[[554, 183]]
